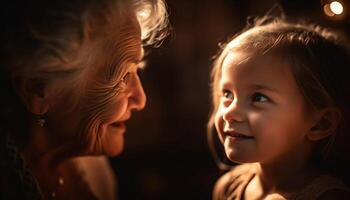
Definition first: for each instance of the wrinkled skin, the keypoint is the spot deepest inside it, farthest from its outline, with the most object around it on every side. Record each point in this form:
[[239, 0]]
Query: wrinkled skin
[[87, 118], [108, 93]]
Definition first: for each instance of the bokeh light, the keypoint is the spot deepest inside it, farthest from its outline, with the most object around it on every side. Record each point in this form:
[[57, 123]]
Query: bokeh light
[[336, 7]]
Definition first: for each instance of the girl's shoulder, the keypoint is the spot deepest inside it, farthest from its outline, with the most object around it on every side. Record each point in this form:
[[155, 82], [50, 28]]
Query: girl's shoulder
[[324, 187], [335, 194], [231, 185]]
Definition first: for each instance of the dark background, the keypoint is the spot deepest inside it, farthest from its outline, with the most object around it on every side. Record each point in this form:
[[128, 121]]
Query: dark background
[[166, 153]]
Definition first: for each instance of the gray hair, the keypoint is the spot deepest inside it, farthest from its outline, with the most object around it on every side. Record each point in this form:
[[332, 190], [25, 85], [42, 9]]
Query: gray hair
[[43, 40]]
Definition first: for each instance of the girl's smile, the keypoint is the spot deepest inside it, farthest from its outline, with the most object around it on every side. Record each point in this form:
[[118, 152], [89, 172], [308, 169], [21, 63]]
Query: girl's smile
[[262, 116], [231, 133], [237, 135], [280, 96]]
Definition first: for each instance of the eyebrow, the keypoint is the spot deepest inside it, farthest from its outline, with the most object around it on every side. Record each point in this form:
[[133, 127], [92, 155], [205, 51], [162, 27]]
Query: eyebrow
[[140, 62], [263, 87]]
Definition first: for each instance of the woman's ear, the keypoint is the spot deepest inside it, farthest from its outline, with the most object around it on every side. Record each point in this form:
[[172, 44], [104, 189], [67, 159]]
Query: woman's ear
[[326, 125], [33, 94]]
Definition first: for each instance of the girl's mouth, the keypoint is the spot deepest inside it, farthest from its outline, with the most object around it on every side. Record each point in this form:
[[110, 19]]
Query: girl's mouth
[[237, 135]]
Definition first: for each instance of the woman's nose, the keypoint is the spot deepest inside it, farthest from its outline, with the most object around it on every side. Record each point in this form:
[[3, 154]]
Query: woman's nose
[[137, 98], [234, 112]]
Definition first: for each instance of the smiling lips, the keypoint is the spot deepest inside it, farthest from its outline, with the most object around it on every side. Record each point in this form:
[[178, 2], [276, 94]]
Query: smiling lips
[[121, 122], [237, 135], [117, 124]]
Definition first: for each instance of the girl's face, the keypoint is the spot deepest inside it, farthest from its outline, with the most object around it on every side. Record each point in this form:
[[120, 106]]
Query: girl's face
[[111, 91], [262, 116]]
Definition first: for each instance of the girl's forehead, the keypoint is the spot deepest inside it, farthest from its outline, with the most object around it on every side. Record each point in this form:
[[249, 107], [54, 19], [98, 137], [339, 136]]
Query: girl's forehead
[[239, 58], [249, 66], [236, 58]]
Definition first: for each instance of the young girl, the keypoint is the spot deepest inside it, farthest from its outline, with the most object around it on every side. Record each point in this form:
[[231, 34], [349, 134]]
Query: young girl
[[281, 97]]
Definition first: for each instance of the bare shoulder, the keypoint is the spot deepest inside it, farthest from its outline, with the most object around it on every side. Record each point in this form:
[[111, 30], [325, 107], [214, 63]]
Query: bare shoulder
[[231, 179], [338, 194], [222, 183]]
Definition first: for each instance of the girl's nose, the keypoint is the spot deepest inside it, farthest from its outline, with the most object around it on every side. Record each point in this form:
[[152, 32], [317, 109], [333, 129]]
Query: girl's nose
[[137, 98], [234, 112]]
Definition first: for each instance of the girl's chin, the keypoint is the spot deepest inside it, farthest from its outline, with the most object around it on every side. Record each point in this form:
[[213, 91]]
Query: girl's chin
[[240, 150], [239, 157], [240, 160]]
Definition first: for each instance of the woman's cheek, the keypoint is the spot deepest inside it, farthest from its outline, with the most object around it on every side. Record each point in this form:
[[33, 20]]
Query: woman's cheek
[[111, 112], [92, 116], [89, 133], [114, 110]]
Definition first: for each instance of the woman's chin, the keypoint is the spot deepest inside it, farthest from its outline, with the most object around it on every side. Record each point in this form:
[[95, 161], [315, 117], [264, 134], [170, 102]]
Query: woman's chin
[[114, 149], [113, 140]]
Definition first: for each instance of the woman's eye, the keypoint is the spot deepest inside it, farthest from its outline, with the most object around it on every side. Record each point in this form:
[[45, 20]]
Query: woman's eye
[[227, 94], [260, 98], [122, 84], [126, 78]]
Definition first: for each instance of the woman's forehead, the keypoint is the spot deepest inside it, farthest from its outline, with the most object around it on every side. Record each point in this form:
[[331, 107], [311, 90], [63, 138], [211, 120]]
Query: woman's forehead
[[127, 45]]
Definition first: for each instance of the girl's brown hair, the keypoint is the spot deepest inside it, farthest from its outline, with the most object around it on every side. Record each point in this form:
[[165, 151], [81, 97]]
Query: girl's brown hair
[[320, 62]]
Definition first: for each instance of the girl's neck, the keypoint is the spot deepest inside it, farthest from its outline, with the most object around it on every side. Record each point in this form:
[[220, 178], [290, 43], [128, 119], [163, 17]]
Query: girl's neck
[[286, 177], [287, 174]]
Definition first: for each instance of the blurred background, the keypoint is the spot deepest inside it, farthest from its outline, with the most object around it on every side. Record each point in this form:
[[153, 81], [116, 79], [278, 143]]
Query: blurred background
[[166, 152]]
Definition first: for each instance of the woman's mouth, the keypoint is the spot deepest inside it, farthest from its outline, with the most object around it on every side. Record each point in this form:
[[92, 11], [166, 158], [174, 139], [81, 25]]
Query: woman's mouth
[[118, 125]]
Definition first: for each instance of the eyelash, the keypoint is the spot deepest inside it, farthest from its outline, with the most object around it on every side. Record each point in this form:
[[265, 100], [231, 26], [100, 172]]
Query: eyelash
[[225, 94], [228, 95], [120, 86], [258, 94], [126, 78]]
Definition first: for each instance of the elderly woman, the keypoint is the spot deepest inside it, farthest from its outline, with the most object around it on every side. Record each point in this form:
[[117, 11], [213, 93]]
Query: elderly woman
[[69, 82]]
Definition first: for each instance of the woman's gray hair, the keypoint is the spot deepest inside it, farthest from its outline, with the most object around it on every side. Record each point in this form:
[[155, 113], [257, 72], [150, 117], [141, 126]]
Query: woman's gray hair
[[43, 42], [153, 18], [48, 45], [40, 43]]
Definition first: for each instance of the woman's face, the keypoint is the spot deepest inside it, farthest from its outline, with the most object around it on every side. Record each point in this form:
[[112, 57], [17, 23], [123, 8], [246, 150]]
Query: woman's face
[[108, 93]]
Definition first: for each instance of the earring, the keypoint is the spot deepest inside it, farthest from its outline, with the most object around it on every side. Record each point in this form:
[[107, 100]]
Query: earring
[[41, 121]]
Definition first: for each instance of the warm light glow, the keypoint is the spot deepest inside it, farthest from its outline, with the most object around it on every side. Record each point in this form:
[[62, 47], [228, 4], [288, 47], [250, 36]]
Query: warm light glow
[[336, 7], [327, 10]]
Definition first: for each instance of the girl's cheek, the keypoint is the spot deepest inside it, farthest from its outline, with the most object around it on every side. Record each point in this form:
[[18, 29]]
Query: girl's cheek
[[254, 118], [261, 123], [219, 123]]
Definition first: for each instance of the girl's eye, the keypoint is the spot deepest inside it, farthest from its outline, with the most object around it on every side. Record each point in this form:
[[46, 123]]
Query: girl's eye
[[227, 94], [259, 98]]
